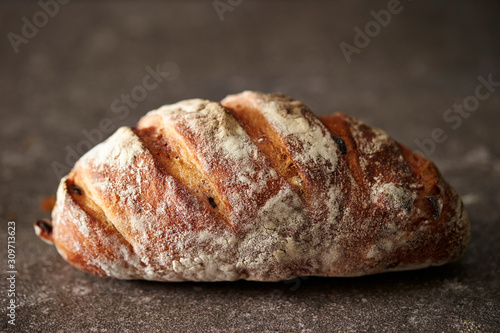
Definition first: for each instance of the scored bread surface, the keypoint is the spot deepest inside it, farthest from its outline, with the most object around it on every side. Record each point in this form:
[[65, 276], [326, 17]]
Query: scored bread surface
[[255, 187]]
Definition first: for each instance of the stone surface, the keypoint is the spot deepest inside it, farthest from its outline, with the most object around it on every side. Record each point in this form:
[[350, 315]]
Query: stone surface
[[66, 77]]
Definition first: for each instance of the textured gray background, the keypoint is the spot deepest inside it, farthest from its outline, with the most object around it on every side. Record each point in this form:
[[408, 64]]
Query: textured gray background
[[428, 58]]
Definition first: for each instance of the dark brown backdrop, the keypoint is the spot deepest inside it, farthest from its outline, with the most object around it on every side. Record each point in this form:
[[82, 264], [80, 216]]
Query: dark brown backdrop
[[76, 68]]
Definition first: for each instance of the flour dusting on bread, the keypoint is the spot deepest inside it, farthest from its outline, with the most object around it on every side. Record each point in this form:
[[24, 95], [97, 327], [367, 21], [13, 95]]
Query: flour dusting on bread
[[197, 192]]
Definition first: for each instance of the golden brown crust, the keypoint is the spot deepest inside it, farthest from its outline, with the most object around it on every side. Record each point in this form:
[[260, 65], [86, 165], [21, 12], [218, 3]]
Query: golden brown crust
[[255, 188]]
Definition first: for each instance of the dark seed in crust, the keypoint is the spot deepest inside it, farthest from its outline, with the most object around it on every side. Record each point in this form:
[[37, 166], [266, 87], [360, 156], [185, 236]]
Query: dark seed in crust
[[44, 225], [435, 207], [76, 189], [341, 144], [212, 202]]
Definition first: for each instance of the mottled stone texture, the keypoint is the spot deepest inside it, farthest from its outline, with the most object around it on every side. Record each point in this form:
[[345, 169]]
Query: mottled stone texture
[[66, 78]]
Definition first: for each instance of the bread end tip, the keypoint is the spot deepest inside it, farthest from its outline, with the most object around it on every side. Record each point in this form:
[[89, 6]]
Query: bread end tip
[[43, 229]]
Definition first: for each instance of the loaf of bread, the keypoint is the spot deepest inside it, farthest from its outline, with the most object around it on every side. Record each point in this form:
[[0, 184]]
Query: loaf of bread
[[256, 187]]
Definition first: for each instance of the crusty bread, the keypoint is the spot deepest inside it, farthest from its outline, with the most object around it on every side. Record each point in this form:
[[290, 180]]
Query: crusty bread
[[258, 188]]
